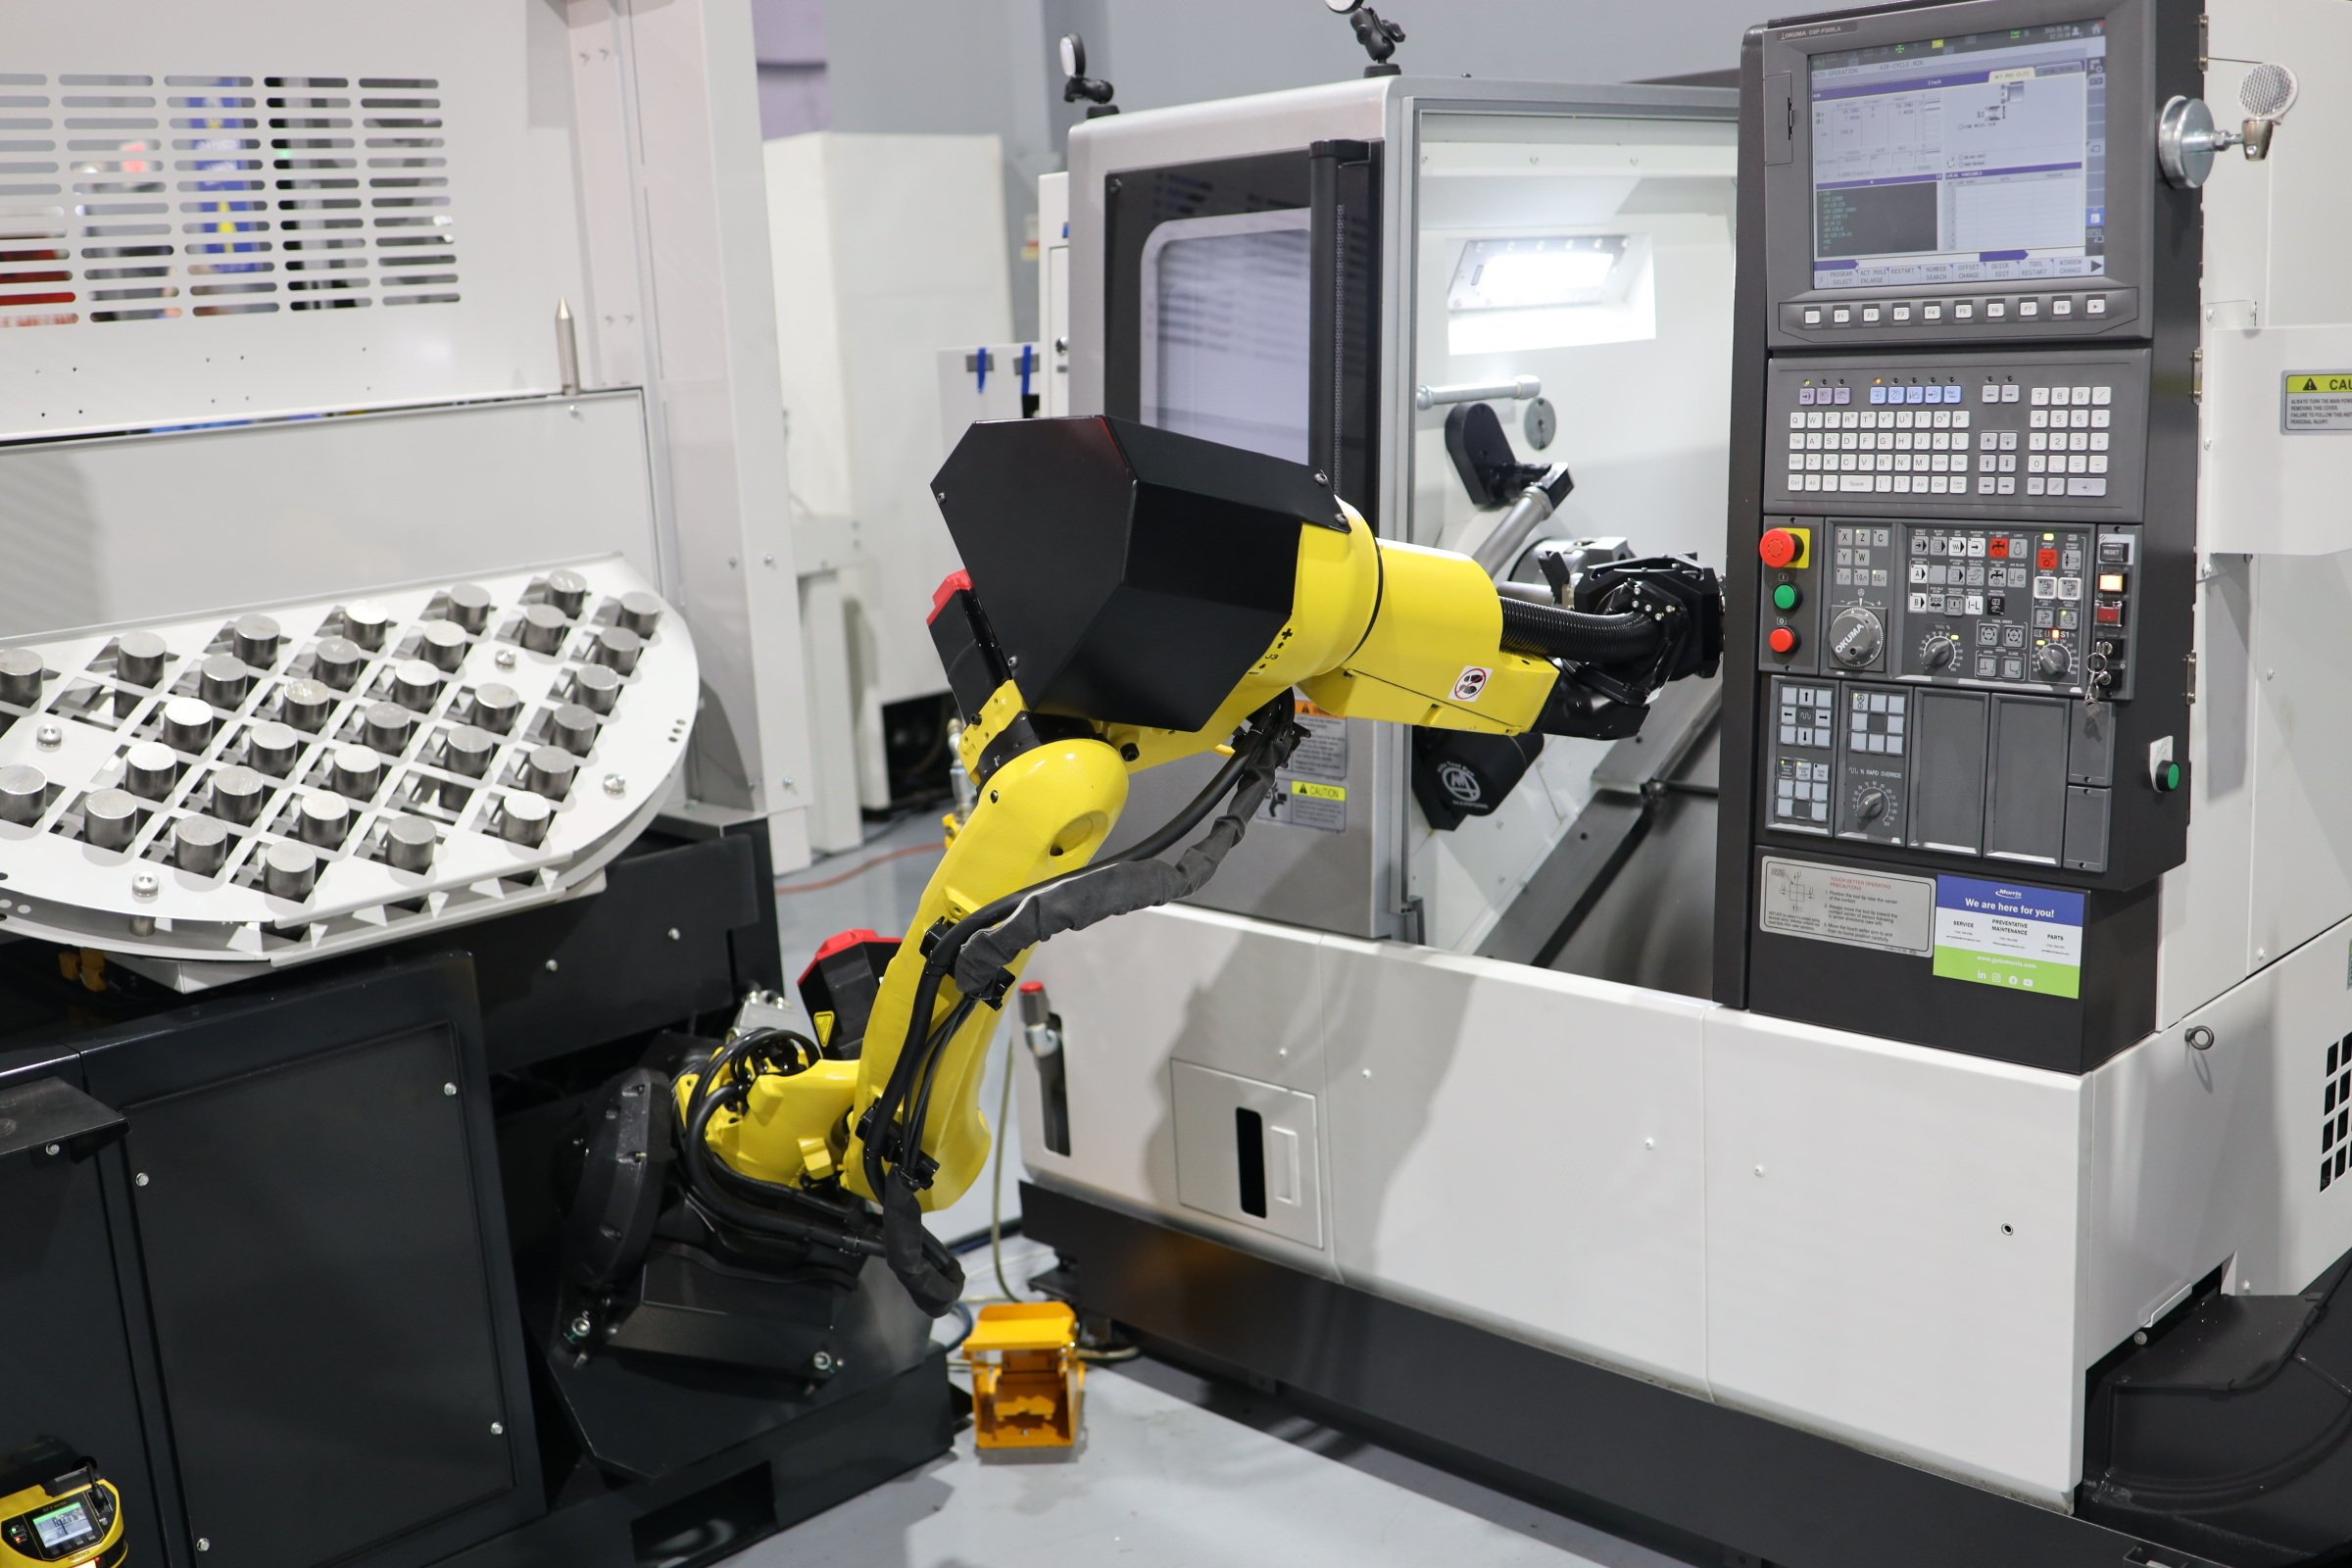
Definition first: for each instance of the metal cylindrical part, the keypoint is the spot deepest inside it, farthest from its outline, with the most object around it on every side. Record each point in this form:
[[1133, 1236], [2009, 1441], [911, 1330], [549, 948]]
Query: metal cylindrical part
[[199, 845], [24, 793], [188, 723], [223, 680], [466, 750], [640, 612], [110, 818], [469, 606], [150, 769], [387, 727], [271, 748], [543, 628], [139, 658], [255, 640], [1519, 388], [289, 872], [441, 644], [409, 843], [415, 684], [305, 704], [19, 677], [617, 648], [337, 663], [567, 589], [550, 771], [523, 818], [237, 795], [496, 705], [322, 820], [595, 688], [573, 727], [365, 624], [357, 771]]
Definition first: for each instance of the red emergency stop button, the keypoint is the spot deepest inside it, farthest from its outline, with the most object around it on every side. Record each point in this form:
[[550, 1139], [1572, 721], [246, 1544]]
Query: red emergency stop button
[[1780, 547], [1783, 640]]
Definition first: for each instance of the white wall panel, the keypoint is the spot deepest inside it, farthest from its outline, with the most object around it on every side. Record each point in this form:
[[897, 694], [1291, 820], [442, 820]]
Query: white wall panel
[[1891, 1247], [1520, 1148]]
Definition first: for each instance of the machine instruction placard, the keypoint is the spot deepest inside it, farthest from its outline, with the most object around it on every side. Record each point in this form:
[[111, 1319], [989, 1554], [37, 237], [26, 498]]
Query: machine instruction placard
[[2001, 934], [2315, 402], [1860, 908]]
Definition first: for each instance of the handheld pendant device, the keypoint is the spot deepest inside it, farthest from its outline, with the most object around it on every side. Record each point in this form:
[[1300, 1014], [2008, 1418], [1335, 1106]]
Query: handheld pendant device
[[57, 1511]]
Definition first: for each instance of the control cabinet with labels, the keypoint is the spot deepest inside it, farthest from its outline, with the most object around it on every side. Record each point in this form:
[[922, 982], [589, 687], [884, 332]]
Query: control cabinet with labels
[[1963, 525]]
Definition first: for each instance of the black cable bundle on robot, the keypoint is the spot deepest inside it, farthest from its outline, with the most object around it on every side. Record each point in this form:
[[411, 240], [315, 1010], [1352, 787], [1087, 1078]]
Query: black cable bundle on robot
[[979, 949], [727, 1197]]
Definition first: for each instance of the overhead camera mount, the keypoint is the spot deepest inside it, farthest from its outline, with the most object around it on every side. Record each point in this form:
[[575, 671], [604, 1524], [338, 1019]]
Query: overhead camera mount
[[1079, 87], [1379, 37]]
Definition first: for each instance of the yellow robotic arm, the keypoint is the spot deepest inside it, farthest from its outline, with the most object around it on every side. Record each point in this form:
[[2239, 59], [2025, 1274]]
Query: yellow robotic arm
[[1133, 598]]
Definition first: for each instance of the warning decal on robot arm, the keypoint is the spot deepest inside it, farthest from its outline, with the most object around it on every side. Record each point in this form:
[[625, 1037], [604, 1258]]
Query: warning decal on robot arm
[[2315, 402]]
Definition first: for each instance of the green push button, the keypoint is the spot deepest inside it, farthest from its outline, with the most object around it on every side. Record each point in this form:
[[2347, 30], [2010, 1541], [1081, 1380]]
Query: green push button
[[1786, 597], [2168, 777]]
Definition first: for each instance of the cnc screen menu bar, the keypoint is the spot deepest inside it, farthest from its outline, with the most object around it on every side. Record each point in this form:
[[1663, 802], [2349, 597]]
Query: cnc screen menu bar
[[1976, 159]]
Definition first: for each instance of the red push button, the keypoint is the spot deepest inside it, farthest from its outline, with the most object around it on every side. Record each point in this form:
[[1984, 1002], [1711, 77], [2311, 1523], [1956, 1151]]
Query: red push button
[[1780, 547], [2047, 560], [1783, 640]]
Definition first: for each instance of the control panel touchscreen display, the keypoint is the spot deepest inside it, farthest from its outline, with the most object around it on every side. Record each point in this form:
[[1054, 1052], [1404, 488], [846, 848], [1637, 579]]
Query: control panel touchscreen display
[[1963, 160]]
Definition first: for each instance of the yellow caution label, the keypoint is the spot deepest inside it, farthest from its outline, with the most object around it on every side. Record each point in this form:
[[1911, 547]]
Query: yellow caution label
[[2314, 401], [1319, 792]]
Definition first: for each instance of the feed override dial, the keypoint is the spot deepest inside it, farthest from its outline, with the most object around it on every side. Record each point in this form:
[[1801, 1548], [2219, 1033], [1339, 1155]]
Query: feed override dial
[[1941, 652], [1874, 806]]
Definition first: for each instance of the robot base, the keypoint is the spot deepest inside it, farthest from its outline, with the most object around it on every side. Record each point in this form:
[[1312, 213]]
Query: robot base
[[1708, 1483], [793, 1470]]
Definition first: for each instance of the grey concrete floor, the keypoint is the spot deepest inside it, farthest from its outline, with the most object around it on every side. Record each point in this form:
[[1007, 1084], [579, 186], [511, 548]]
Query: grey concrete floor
[[1179, 1473]]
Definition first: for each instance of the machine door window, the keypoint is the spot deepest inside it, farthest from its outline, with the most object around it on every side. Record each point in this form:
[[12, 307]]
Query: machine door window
[[1226, 303], [1242, 305]]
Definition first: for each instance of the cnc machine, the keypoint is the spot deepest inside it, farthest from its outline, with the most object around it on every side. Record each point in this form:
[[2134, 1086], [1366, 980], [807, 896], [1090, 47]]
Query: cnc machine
[[1981, 1204]]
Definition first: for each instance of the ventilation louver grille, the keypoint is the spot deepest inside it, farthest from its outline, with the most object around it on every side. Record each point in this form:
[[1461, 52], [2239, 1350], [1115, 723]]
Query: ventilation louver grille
[[123, 198], [2336, 1120]]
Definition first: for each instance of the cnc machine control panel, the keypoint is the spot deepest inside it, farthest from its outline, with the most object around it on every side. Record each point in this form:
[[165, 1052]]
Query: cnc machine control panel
[[1967, 540]]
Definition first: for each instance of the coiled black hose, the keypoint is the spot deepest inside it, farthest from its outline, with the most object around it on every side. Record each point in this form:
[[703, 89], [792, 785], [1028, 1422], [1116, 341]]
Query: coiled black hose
[[1579, 636]]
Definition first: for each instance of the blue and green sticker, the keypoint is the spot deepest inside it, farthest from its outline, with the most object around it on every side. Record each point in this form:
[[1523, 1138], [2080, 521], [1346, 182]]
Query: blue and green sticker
[[2008, 935]]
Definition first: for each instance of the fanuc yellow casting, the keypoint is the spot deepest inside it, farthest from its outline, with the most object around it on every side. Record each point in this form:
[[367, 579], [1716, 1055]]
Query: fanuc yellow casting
[[1132, 598]]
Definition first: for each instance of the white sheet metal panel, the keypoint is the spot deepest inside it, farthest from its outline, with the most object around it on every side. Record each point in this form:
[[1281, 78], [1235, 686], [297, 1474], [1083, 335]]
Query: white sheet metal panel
[[1522, 1150], [2243, 1150], [2302, 850], [156, 526], [1135, 994], [2206, 906], [2277, 296], [678, 74], [234, 213], [1892, 1236]]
